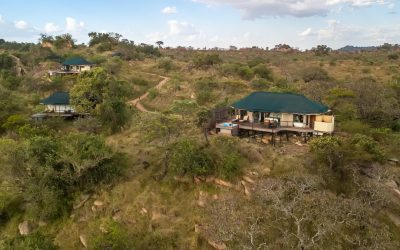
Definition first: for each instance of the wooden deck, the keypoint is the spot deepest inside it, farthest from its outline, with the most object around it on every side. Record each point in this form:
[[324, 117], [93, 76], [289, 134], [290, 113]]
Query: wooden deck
[[264, 128]]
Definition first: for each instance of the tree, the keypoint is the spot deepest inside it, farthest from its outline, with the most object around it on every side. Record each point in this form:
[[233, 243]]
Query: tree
[[321, 50], [64, 41], [376, 103], [184, 107], [100, 94], [314, 74], [160, 127], [295, 212], [160, 44], [206, 60], [189, 157], [327, 149], [204, 117]]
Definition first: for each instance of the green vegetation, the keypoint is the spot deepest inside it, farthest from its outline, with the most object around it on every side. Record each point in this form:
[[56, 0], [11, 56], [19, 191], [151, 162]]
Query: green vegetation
[[120, 178]]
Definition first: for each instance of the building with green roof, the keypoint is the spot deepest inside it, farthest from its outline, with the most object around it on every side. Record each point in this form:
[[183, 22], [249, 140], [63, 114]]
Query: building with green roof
[[77, 64], [58, 102], [275, 112], [73, 65]]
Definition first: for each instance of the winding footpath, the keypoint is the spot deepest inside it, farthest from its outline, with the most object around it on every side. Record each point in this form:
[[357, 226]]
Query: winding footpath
[[136, 102]]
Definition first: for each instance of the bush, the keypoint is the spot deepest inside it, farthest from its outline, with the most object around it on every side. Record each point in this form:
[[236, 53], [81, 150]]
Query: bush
[[14, 122], [260, 84], [245, 72], [354, 127], [88, 124], [262, 71], [393, 56], [367, 148], [6, 62], [314, 74], [229, 69], [256, 61], [166, 64], [327, 150], [226, 156], [33, 241], [204, 90], [206, 60], [117, 237], [188, 157], [153, 93], [51, 170]]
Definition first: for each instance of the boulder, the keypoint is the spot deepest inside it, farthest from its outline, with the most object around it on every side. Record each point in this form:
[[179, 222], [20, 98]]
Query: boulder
[[197, 228], [223, 183], [299, 144], [98, 203], [201, 202], [25, 228], [248, 179], [82, 239], [266, 171], [246, 188], [218, 246], [210, 179], [143, 211]]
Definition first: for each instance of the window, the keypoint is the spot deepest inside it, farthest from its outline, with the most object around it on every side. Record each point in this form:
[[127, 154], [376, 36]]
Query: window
[[298, 118]]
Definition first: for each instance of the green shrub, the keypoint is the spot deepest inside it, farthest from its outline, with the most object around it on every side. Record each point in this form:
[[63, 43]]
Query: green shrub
[[314, 74], [6, 62], [354, 127], [327, 150], [260, 84], [226, 156], [366, 148], [166, 64], [262, 71], [245, 72], [153, 93], [9, 205], [205, 91], [33, 241], [116, 238], [206, 60], [14, 122], [256, 61], [188, 157], [393, 56], [229, 69]]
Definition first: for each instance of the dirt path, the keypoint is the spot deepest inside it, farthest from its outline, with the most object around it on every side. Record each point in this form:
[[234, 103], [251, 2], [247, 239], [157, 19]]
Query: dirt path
[[136, 102]]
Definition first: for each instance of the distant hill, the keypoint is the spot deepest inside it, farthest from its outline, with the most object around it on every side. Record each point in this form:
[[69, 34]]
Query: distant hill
[[350, 48]]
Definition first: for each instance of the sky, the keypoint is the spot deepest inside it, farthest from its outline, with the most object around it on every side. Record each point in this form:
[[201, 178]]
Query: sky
[[208, 23]]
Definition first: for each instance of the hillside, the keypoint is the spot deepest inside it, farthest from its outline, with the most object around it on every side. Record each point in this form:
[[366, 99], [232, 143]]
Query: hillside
[[146, 170]]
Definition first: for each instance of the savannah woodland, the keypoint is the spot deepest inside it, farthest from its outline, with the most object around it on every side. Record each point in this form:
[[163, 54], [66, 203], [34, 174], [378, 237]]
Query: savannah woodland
[[145, 169]]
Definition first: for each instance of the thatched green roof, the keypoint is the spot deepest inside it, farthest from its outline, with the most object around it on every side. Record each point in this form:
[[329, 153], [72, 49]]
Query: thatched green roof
[[76, 61], [57, 98], [280, 103]]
